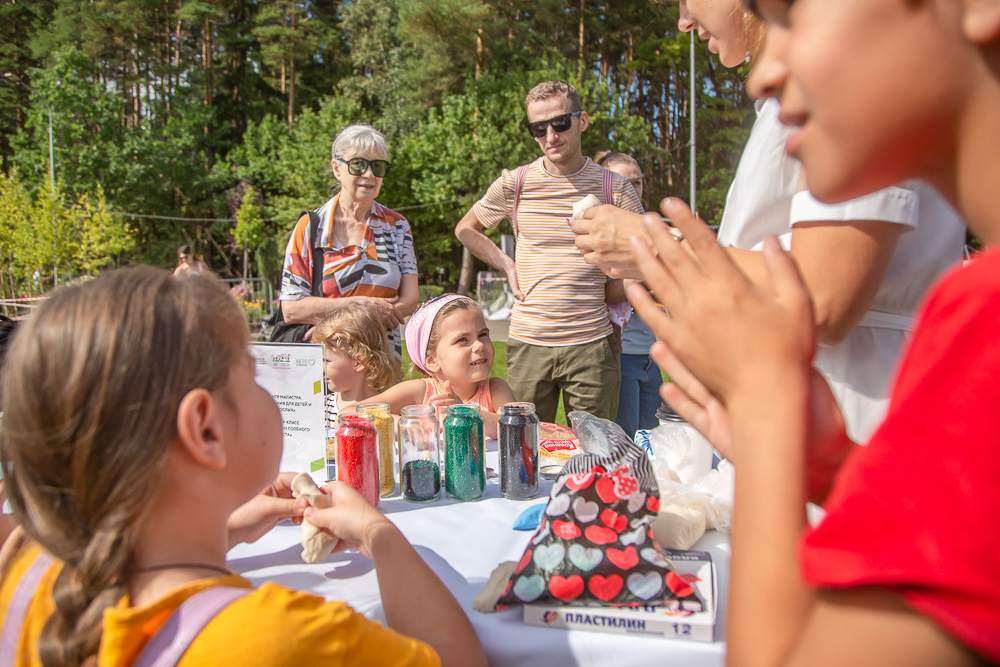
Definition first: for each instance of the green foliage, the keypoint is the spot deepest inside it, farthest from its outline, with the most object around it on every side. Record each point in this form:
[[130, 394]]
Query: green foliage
[[102, 236], [426, 292], [249, 230], [161, 107], [44, 239], [291, 170]]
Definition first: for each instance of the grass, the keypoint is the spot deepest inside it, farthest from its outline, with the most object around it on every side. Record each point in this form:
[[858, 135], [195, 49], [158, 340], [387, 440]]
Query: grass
[[499, 370]]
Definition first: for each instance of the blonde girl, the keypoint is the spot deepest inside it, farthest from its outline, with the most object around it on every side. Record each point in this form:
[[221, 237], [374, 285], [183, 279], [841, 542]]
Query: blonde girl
[[359, 361], [136, 460], [448, 341]]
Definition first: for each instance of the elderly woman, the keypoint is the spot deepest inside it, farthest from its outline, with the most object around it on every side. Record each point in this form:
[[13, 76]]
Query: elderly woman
[[367, 249]]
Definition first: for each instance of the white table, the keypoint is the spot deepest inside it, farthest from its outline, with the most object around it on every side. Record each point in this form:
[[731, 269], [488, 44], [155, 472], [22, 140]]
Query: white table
[[463, 543]]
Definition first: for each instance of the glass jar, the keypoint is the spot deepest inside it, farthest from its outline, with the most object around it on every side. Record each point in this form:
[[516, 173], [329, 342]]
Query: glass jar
[[419, 454], [690, 447], [331, 454], [465, 464], [357, 455], [517, 431], [384, 428]]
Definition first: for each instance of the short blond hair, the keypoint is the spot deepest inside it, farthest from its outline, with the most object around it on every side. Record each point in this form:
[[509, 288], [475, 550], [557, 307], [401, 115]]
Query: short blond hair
[[608, 159], [356, 332], [360, 138], [549, 89]]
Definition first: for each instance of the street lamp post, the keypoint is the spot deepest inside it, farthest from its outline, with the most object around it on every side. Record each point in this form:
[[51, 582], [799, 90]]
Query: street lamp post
[[694, 158]]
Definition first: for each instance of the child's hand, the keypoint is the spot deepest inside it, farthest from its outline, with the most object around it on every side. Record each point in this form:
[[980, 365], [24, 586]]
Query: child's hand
[[828, 442], [445, 398], [253, 519], [731, 334], [352, 518]]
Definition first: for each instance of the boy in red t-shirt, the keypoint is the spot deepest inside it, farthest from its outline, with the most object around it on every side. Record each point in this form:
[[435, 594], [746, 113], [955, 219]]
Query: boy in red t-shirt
[[902, 570]]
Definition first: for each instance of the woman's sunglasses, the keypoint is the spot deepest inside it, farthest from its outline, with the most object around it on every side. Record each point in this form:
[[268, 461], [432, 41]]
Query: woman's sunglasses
[[358, 165], [559, 124]]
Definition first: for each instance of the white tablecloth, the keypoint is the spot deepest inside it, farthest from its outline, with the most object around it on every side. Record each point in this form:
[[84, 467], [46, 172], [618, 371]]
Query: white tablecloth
[[463, 543]]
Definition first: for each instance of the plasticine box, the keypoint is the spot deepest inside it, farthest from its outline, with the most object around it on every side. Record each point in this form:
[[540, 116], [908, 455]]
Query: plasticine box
[[690, 623]]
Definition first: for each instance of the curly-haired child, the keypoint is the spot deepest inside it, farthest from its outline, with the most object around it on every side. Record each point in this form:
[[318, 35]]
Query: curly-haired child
[[359, 360]]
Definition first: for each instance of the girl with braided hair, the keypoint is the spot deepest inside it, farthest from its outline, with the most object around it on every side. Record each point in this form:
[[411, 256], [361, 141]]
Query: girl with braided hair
[[134, 463]]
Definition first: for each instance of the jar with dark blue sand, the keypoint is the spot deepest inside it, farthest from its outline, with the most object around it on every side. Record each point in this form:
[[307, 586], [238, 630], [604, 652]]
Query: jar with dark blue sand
[[517, 430]]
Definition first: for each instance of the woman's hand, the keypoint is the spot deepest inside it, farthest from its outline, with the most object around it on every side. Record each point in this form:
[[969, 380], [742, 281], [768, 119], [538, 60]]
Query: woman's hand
[[253, 519], [351, 518], [383, 307], [603, 235], [729, 333]]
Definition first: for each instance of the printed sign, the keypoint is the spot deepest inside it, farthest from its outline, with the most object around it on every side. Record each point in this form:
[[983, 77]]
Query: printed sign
[[293, 374]]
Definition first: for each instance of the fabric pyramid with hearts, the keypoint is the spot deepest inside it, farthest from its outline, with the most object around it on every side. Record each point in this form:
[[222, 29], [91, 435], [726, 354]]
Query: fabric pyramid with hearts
[[595, 545]]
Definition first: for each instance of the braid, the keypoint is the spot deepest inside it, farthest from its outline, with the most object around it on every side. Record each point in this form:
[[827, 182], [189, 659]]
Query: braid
[[81, 593], [83, 453]]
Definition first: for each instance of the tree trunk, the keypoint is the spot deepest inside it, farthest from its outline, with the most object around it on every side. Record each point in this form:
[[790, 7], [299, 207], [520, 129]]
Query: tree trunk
[[468, 262], [206, 64], [291, 88], [176, 65], [291, 77], [465, 276], [579, 65], [479, 53]]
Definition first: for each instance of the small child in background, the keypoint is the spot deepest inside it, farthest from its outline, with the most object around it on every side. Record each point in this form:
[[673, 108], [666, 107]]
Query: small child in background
[[359, 360], [639, 393], [448, 340], [126, 519]]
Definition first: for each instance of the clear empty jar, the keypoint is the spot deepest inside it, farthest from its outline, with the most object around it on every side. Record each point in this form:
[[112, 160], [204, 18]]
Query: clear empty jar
[[419, 454]]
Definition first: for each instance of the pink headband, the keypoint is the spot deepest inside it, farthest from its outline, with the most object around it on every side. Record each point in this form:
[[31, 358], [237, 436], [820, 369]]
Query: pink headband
[[418, 328]]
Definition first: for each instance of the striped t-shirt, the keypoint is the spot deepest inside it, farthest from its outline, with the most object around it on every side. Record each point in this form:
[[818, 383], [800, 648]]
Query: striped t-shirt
[[564, 302]]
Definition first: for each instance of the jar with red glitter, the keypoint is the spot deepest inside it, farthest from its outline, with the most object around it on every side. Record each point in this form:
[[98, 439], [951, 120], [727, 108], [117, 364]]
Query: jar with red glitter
[[357, 455]]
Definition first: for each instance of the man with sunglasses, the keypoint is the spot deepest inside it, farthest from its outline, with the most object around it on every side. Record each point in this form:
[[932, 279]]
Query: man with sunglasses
[[560, 335]]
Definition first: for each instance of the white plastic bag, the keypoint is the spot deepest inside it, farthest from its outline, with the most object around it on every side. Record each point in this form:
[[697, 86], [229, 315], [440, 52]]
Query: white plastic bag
[[693, 497]]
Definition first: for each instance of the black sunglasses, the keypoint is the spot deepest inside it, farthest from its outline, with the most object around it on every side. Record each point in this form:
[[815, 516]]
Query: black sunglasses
[[358, 165], [559, 124]]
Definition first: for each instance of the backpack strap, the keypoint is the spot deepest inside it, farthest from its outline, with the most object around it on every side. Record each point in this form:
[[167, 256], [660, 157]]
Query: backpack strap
[[609, 187], [317, 272], [168, 645], [518, 187], [317, 267], [18, 608]]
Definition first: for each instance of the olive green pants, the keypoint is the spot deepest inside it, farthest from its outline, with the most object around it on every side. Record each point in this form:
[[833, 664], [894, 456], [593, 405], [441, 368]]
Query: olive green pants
[[588, 376]]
